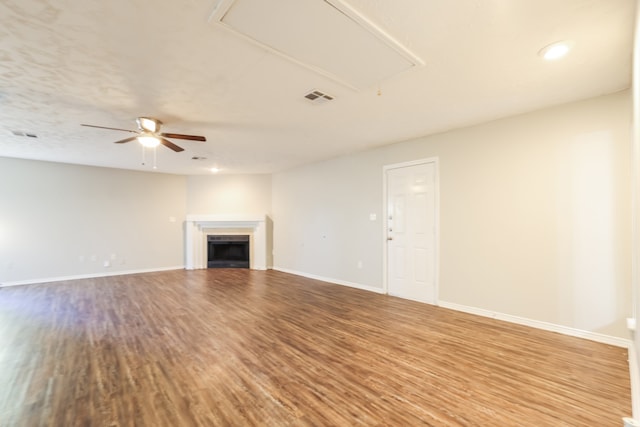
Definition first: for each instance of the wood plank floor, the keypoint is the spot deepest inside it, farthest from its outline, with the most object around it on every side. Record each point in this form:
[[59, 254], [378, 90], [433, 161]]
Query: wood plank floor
[[251, 348]]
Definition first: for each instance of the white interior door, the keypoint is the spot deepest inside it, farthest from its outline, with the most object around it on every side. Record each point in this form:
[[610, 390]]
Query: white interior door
[[411, 231]]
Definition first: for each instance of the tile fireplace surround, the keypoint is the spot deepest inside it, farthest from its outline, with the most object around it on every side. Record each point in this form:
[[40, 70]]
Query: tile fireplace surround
[[199, 226]]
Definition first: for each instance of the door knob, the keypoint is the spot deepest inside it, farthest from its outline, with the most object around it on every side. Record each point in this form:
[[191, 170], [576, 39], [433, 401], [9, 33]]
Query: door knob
[[389, 238]]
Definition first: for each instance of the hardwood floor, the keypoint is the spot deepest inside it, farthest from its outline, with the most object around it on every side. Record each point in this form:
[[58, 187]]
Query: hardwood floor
[[252, 348]]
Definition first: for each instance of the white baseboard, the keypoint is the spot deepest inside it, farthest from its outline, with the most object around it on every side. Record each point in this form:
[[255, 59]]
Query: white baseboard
[[330, 280], [87, 276], [593, 336]]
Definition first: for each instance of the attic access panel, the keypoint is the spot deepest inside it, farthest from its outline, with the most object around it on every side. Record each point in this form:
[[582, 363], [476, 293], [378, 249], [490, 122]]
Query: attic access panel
[[327, 36]]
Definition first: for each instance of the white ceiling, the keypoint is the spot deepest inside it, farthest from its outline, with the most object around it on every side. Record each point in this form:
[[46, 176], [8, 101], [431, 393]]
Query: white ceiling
[[67, 62]]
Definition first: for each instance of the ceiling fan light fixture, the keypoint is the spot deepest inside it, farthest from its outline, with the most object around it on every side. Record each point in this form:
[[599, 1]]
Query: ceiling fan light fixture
[[149, 125], [149, 135], [149, 141]]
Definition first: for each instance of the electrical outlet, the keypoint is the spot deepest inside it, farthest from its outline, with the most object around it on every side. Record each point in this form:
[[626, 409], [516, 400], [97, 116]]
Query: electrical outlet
[[107, 264], [360, 264]]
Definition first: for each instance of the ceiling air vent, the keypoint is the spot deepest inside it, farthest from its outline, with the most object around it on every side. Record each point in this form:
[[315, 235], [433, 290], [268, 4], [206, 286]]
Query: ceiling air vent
[[317, 97], [20, 133]]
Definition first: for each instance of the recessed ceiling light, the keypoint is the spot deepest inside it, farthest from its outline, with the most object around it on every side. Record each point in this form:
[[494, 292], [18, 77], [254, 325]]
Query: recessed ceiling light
[[214, 170], [556, 50]]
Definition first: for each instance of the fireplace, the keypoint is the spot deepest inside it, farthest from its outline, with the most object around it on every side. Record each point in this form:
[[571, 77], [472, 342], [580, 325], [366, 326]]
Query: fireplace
[[228, 251], [198, 227]]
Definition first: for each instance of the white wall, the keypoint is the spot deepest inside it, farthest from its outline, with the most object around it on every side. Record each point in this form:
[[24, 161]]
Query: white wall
[[232, 195], [635, 364], [229, 194], [55, 217], [535, 215], [321, 219]]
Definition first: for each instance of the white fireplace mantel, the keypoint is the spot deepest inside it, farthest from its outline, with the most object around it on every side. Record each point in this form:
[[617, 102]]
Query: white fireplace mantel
[[196, 236]]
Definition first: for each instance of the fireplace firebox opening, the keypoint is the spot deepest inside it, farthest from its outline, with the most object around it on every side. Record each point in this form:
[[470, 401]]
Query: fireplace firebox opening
[[228, 251]]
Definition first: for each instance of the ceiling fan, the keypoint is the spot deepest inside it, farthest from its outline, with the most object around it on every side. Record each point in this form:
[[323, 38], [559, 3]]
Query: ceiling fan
[[149, 135]]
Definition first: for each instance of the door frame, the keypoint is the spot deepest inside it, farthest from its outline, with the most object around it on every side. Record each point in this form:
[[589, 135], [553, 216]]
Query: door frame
[[385, 248]]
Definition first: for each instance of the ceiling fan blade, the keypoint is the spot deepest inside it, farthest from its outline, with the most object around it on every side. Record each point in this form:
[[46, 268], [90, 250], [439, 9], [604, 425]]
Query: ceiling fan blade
[[122, 141], [188, 137], [104, 127], [171, 145]]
